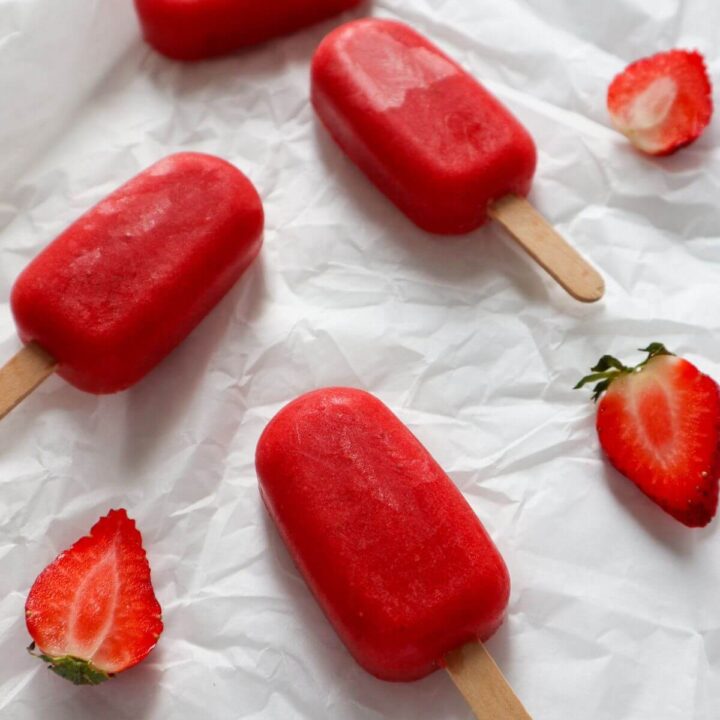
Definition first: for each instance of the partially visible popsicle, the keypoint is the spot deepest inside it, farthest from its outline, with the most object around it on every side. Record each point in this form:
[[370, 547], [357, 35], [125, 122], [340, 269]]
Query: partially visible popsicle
[[435, 141], [196, 29], [112, 295], [399, 562]]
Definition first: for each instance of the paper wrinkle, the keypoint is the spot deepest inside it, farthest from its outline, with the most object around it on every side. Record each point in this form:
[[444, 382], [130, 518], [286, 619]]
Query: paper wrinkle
[[613, 611]]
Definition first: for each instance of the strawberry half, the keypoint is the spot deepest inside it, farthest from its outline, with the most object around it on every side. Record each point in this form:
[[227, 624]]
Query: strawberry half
[[659, 424], [92, 612], [663, 102]]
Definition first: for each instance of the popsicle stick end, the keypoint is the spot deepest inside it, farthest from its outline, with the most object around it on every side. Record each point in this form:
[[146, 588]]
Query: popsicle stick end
[[483, 686], [22, 374], [547, 248]]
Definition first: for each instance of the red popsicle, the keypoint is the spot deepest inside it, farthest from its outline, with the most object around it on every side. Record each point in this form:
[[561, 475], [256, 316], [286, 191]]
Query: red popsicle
[[112, 295], [196, 29], [435, 141], [394, 554]]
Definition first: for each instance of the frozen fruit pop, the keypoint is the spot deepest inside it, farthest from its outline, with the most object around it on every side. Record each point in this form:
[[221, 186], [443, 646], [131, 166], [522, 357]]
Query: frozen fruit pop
[[397, 559], [435, 141], [112, 295], [196, 29]]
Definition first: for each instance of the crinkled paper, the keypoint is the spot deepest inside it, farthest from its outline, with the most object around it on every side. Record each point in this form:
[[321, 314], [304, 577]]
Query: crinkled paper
[[614, 612]]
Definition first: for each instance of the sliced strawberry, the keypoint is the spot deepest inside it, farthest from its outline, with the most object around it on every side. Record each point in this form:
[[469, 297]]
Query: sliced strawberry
[[92, 612], [663, 102], [659, 424]]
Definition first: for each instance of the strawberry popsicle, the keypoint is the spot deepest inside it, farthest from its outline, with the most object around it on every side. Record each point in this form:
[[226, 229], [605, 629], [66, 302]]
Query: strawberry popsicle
[[112, 295], [399, 562], [196, 29], [435, 141]]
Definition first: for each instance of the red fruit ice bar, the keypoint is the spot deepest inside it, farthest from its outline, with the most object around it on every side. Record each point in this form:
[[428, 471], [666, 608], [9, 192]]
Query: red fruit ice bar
[[394, 554], [438, 144], [123, 285], [195, 29]]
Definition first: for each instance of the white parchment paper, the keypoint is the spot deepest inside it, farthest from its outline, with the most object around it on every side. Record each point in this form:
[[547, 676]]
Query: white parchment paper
[[614, 612]]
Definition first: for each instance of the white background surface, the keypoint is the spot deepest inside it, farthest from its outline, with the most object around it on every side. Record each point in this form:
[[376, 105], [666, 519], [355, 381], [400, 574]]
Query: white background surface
[[614, 612]]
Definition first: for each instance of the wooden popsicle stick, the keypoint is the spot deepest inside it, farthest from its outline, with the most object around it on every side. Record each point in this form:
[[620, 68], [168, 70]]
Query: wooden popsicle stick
[[547, 248], [483, 686], [20, 376]]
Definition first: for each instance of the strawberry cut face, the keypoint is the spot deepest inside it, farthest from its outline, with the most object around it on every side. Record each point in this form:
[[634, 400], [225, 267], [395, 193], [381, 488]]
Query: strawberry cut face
[[659, 426], [95, 604], [663, 102]]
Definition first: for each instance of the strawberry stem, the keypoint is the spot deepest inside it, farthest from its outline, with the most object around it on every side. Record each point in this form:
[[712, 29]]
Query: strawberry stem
[[609, 368], [74, 669]]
